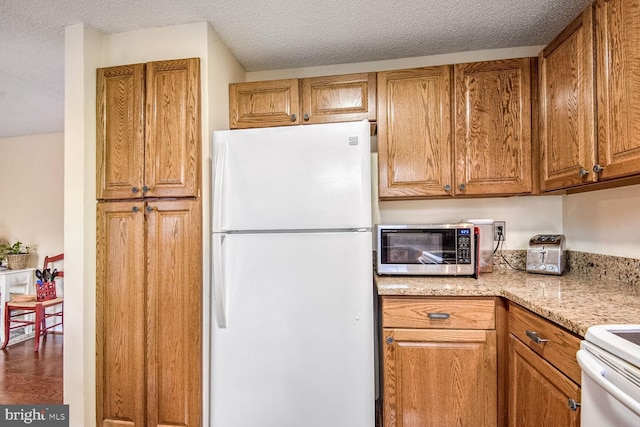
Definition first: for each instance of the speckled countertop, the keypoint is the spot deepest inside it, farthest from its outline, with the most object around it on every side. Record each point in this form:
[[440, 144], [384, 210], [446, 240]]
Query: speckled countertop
[[573, 300]]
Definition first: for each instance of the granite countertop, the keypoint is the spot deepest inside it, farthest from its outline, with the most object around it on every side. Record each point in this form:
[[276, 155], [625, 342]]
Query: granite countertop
[[573, 300]]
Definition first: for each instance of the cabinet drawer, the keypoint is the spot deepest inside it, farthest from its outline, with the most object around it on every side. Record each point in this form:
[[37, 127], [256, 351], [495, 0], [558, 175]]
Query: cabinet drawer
[[560, 346], [438, 313], [19, 279]]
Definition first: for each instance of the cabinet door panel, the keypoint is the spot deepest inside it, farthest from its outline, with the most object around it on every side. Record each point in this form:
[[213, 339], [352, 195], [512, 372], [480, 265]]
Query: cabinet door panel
[[340, 98], [174, 313], [567, 105], [493, 127], [414, 132], [172, 167], [120, 302], [439, 378], [120, 131], [538, 393], [263, 104], [618, 76]]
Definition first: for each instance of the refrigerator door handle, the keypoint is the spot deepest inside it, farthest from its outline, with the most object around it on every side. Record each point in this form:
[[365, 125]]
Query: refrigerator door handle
[[219, 287], [218, 175]]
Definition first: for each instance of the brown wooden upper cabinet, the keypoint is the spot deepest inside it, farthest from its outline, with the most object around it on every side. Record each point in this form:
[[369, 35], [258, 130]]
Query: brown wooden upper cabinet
[[567, 105], [148, 130], [414, 133], [330, 99], [479, 146], [575, 148], [618, 88], [262, 104], [493, 127]]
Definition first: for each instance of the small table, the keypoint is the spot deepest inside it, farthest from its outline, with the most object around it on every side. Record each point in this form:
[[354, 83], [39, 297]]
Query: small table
[[14, 281]]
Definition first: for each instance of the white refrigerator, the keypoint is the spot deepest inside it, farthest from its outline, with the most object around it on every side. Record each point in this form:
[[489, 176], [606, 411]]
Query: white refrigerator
[[292, 330]]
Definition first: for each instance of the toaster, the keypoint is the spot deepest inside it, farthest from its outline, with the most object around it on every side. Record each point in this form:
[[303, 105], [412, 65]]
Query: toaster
[[545, 254]]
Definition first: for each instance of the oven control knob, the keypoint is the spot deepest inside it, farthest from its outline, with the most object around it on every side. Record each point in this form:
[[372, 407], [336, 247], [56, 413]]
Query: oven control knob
[[542, 267]]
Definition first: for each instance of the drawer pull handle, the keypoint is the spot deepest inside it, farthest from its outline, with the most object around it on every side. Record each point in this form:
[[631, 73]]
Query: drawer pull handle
[[536, 338], [438, 316], [573, 405]]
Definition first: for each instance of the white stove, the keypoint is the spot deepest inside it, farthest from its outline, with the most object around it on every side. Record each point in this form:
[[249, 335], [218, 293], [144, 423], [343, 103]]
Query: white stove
[[610, 361]]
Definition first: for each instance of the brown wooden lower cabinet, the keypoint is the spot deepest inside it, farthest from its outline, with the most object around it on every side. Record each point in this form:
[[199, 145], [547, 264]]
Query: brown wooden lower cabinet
[[471, 361], [439, 374], [544, 374], [440, 378], [149, 305], [538, 392]]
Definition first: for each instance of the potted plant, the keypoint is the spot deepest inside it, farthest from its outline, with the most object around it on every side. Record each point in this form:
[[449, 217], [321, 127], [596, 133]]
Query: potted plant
[[17, 255]]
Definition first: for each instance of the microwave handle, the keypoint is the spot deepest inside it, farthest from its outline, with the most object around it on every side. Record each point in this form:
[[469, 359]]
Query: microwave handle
[[476, 235]]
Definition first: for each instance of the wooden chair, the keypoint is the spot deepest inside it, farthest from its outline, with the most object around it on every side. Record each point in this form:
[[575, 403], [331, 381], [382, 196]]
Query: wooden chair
[[20, 314]]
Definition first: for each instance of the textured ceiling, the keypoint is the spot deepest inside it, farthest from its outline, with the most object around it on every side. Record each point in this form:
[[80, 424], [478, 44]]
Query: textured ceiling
[[264, 35]]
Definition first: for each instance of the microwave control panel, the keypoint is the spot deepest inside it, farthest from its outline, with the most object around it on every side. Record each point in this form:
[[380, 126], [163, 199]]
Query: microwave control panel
[[464, 245]]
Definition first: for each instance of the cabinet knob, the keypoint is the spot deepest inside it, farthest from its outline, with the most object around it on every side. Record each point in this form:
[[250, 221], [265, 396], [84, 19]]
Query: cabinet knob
[[573, 405], [389, 340], [447, 187], [597, 168], [583, 172], [135, 209], [145, 189], [306, 117], [149, 209], [134, 189], [293, 117], [535, 337], [462, 187]]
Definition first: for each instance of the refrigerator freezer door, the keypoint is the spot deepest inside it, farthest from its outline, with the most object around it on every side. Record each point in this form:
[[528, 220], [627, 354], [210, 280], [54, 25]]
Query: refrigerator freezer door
[[293, 178], [297, 349]]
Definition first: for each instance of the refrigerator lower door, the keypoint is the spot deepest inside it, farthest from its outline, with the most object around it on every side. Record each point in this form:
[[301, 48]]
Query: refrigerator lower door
[[292, 178], [297, 347]]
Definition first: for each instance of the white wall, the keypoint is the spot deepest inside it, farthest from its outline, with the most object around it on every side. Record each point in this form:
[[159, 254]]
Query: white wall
[[82, 47], [31, 205], [525, 216], [396, 64], [85, 51], [604, 222]]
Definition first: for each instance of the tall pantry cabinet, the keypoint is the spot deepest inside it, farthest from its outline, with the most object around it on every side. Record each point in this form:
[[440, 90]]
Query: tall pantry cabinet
[[149, 245]]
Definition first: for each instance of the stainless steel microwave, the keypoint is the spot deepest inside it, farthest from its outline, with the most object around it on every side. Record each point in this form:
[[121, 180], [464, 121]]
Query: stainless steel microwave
[[427, 249]]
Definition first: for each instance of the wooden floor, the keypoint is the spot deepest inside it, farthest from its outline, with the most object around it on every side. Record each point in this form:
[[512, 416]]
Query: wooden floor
[[27, 377]]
